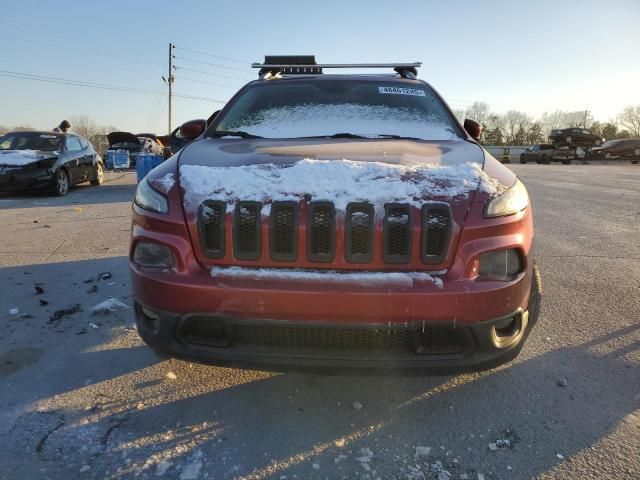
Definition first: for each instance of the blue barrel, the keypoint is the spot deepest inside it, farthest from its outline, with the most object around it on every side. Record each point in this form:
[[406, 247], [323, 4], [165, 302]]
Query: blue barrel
[[110, 155], [145, 163], [117, 159]]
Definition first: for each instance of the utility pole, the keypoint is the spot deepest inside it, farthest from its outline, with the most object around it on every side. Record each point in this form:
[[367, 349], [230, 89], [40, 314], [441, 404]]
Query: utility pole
[[170, 81]]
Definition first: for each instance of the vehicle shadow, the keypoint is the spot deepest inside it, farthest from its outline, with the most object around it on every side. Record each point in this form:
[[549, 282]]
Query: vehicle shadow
[[118, 187], [248, 424]]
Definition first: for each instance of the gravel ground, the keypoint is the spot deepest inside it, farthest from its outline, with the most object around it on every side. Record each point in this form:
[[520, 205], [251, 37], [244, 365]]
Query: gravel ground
[[82, 397]]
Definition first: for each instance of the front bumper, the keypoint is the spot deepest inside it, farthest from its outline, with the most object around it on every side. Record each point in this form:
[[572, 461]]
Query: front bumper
[[20, 180], [287, 345]]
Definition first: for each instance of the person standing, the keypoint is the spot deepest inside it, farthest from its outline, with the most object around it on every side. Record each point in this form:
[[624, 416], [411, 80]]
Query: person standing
[[63, 127]]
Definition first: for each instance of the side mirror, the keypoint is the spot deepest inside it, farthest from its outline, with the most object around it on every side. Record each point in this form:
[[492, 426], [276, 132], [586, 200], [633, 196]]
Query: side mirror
[[192, 129], [473, 128]]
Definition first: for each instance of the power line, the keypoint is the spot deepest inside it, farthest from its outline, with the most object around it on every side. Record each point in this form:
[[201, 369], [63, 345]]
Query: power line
[[244, 70], [207, 83], [210, 73], [212, 55], [92, 53], [105, 86]]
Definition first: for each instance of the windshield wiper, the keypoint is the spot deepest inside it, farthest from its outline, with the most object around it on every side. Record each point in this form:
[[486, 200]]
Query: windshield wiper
[[234, 133], [396, 137], [368, 137]]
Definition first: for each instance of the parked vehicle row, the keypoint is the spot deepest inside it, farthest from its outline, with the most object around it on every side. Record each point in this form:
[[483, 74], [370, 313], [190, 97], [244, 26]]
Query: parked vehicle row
[[546, 153]]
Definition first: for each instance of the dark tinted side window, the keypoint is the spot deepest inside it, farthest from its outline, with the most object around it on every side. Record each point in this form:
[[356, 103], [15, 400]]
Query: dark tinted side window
[[73, 144]]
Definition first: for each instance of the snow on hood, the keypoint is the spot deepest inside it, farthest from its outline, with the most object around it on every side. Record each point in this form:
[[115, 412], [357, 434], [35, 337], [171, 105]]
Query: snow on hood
[[365, 120], [338, 181], [19, 158], [399, 279]]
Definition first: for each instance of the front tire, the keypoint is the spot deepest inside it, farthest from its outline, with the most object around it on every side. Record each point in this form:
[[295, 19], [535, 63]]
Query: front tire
[[545, 160], [566, 162], [523, 160], [61, 183], [607, 155], [98, 175]]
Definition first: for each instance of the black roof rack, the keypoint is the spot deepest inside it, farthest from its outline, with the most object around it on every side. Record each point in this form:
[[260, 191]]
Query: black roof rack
[[306, 64]]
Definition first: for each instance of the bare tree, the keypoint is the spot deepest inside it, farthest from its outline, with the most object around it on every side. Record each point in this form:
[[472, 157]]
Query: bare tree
[[478, 111], [84, 125], [629, 118], [517, 125], [459, 113]]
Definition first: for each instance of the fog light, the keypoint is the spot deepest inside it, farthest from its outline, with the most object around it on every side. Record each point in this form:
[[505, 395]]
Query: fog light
[[149, 254], [500, 265]]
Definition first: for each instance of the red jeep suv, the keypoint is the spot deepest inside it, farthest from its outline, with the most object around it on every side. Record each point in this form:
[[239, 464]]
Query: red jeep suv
[[335, 221]]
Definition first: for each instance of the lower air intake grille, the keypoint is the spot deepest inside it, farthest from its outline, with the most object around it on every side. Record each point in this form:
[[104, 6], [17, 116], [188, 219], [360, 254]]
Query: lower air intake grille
[[246, 231], [284, 231], [211, 227], [204, 330], [436, 229], [396, 240], [321, 232]]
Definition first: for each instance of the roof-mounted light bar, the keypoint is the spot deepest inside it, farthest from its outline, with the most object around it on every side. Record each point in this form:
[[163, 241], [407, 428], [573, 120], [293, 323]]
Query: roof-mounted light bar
[[276, 65], [339, 65]]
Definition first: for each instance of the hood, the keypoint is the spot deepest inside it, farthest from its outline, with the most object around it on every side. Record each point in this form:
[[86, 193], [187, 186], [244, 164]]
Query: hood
[[237, 152], [122, 137], [20, 158]]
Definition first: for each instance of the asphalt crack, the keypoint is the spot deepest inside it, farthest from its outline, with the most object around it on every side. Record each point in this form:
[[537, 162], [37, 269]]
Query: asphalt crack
[[43, 440]]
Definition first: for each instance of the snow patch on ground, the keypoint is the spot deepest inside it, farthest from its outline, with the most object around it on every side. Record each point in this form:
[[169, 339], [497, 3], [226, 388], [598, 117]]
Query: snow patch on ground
[[365, 120], [20, 158], [390, 279], [109, 306], [339, 181]]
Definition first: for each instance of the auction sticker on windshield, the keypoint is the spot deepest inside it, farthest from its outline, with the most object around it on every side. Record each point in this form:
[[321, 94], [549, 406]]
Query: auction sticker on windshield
[[401, 91]]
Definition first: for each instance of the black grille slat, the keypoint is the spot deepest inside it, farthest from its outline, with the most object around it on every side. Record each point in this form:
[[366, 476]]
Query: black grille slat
[[396, 236], [247, 237], [219, 332], [283, 231], [321, 232], [211, 227], [358, 233], [436, 231]]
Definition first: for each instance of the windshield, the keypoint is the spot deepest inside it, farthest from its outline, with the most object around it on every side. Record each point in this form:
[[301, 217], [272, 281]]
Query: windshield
[[333, 107], [30, 141]]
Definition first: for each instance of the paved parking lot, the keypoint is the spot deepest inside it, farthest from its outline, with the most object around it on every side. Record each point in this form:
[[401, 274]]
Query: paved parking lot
[[82, 397]]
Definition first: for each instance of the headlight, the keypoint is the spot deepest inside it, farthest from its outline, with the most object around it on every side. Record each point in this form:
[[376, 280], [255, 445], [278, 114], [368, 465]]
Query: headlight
[[514, 200], [46, 163], [150, 199]]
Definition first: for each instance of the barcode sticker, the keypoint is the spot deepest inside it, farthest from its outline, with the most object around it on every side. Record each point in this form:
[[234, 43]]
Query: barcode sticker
[[401, 91]]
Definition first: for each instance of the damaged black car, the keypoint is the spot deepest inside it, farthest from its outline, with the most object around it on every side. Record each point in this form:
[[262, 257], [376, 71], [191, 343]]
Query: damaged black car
[[47, 161]]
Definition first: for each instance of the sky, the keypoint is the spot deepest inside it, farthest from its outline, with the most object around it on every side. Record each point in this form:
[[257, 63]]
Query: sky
[[530, 56]]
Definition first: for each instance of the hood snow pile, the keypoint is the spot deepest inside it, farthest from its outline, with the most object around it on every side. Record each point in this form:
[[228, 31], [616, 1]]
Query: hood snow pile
[[19, 158], [365, 120], [339, 181], [389, 279]]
